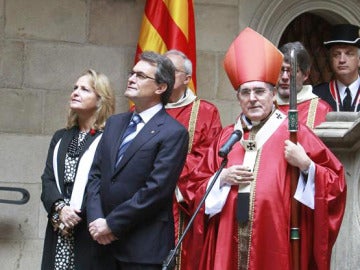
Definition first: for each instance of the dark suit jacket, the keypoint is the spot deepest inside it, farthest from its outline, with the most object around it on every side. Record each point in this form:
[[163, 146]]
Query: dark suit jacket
[[136, 197], [323, 91], [84, 245]]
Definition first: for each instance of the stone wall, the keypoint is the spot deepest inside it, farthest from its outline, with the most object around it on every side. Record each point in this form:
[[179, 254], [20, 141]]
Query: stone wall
[[46, 44], [341, 133]]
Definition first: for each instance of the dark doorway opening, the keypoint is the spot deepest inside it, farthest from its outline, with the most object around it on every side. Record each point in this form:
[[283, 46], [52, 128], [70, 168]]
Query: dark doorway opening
[[311, 30]]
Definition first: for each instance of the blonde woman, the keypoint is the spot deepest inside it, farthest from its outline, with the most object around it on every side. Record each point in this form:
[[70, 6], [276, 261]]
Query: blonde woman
[[68, 244]]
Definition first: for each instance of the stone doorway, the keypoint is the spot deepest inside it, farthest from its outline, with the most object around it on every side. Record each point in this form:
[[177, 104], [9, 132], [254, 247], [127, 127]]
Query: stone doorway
[[311, 30]]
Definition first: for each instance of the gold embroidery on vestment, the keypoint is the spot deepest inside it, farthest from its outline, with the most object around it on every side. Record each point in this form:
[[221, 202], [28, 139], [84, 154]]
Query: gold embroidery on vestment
[[312, 113]]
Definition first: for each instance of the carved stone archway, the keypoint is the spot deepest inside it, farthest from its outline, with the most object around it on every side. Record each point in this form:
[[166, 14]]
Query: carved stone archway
[[311, 30], [271, 19]]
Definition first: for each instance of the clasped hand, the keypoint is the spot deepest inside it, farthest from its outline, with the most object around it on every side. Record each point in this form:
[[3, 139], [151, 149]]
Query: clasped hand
[[100, 232], [69, 216]]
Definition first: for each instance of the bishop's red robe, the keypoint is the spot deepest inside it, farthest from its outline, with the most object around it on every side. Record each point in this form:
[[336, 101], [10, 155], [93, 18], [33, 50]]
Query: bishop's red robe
[[207, 128], [269, 244]]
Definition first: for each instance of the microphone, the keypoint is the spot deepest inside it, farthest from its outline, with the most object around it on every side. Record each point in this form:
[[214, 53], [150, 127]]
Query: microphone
[[226, 148]]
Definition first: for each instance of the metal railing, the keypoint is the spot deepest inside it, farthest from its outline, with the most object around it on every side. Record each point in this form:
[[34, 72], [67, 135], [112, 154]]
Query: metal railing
[[25, 195]]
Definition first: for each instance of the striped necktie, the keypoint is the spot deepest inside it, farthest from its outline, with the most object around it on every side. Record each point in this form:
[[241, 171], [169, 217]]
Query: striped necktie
[[347, 101], [128, 136]]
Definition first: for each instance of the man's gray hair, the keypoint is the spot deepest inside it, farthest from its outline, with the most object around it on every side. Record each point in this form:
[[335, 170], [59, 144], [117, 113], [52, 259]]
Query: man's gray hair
[[187, 61]]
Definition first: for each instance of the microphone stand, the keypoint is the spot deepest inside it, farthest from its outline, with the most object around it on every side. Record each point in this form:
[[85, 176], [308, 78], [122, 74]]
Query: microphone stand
[[169, 262]]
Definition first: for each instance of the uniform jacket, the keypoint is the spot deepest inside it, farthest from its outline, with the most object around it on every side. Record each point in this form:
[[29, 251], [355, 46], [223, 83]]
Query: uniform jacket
[[328, 92]]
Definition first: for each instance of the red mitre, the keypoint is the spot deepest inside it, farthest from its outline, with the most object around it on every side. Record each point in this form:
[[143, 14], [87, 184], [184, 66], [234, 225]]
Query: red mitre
[[251, 57]]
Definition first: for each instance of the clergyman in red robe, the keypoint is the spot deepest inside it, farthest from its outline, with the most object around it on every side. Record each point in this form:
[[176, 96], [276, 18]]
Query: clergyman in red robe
[[202, 120], [312, 110], [249, 204]]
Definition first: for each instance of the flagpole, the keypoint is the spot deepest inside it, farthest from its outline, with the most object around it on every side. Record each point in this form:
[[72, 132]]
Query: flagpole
[[293, 128]]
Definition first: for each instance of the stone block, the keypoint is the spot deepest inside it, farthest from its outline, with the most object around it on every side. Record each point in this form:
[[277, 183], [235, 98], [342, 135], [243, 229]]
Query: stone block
[[217, 2], [122, 103], [23, 157], [42, 221], [229, 111], [226, 90], [215, 34], [56, 108], [206, 75], [20, 222], [2, 18], [20, 111], [115, 23], [50, 66], [47, 19], [341, 133], [53, 66], [11, 63], [20, 255]]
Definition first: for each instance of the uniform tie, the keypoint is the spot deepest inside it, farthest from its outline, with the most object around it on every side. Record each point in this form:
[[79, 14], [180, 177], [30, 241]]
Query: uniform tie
[[128, 136], [347, 100]]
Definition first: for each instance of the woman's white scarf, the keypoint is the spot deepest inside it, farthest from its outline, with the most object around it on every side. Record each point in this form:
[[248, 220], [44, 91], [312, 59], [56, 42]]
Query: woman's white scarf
[[82, 173]]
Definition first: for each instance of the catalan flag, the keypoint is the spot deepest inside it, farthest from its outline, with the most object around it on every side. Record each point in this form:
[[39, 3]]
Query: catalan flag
[[166, 25]]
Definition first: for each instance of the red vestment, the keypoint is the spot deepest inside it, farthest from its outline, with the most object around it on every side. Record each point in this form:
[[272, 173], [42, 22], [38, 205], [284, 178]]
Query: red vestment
[[208, 126], [311, 109], [320, 112], [269, 242]]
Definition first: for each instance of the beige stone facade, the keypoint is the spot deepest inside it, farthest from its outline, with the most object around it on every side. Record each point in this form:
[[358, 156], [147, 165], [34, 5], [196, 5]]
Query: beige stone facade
[[46, 44]]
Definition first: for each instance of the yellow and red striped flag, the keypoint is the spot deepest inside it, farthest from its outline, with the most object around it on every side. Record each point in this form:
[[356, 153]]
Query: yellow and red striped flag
[[166, 25]]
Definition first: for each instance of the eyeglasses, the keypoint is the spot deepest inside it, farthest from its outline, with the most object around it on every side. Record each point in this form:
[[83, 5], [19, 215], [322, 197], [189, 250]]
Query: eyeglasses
[[258, 92], [139, 76], [180, 71], [285, 70], [288, 70]]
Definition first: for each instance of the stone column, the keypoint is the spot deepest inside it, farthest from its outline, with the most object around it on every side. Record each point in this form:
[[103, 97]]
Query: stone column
[[341, 133]]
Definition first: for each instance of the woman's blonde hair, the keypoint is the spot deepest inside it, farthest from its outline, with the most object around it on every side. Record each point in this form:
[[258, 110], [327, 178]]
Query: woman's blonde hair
[[106, 100]]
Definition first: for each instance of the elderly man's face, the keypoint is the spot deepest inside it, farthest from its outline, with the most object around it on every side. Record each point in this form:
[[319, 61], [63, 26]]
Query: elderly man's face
[[256, 99]]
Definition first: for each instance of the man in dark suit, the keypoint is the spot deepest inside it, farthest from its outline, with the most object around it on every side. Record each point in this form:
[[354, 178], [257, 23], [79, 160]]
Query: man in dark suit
[[129, 200], [342, 93]]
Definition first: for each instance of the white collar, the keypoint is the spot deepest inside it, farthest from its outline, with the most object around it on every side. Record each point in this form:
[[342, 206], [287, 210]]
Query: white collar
[[354, 87], [149, 113], [304, 95], [188, 98]]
